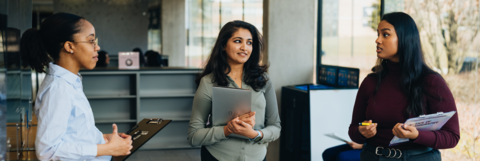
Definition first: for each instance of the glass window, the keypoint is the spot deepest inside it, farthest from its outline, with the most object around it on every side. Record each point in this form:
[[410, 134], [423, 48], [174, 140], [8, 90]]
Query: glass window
[[15, 81], [154, 26], [205, 18], [349, 33], [449, 35]]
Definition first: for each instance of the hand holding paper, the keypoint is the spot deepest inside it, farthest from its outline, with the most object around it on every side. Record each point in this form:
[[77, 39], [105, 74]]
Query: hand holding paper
[[405, 131], [355, 145], [431, 122]]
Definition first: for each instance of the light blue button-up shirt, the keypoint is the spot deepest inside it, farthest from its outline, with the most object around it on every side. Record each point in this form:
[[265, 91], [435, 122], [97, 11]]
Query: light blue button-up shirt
[[66, 127]]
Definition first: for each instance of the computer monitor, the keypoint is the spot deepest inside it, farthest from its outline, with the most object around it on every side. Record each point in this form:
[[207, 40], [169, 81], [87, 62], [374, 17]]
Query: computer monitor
[[328, 75], [348, 77], [338, 76]]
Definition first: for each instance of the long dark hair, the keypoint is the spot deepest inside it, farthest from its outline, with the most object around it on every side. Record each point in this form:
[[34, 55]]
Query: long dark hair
[[217, 62], [412, 63], [39, 47]]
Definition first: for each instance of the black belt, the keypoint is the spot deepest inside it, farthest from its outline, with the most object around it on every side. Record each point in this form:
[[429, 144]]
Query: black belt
[[395, 153]]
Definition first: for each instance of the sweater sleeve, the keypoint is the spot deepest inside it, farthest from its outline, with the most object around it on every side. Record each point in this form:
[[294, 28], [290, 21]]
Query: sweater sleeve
[[439, 98], [359, 110], [272, 128], [198, 134]]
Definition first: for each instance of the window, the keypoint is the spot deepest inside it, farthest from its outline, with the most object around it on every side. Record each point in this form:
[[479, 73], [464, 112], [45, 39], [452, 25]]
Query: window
[[349, 33], [205, 18], [449, 31]]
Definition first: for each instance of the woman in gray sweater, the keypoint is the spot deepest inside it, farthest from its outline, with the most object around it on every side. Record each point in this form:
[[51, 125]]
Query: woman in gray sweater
[[235, 63]]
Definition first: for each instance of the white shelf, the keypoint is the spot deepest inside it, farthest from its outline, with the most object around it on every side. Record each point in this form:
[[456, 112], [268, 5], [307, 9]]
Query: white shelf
[[103, 121], [111, 97], [165, 95], [127, 96], [170, 145]]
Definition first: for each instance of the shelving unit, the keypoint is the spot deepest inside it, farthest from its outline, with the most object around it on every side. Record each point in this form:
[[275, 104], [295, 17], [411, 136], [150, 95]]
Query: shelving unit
[[125, 97], [19, 94]]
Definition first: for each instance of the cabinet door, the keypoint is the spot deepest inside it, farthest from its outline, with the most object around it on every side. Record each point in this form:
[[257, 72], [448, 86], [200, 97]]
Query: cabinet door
[[295, 137]]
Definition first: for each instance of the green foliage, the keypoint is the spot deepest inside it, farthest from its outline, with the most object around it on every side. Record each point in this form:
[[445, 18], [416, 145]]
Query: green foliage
[[375, 17]]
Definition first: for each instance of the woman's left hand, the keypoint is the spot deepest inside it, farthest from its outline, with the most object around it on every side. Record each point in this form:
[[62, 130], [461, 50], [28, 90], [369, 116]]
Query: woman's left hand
[[241, 128], [406, 131], [107, 137]]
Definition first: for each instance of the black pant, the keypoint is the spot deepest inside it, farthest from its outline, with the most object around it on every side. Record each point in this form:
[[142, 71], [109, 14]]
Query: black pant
[[433, 155], [342, 152], [206, 156]]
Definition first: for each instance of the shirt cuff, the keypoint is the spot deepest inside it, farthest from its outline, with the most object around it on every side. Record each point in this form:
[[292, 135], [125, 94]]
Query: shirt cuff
[[219, 133], [90, 151], [425, 138], [358, 137], [267, 134]]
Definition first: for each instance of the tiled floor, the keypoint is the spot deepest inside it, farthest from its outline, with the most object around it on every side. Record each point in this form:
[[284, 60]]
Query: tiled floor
[[166, 155]]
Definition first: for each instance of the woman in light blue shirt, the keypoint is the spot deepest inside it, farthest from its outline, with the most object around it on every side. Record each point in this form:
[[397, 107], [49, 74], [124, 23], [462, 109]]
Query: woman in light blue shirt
[[66, 127]]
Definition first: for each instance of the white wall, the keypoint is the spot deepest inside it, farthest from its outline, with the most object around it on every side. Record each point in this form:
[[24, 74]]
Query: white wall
[[174, 37], [290, 32]]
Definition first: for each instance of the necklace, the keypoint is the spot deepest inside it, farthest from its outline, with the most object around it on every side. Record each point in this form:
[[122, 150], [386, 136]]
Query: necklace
[[234, 77]]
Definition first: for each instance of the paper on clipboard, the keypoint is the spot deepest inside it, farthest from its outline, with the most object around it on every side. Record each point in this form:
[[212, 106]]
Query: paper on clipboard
[[431, 122], [333, 136]]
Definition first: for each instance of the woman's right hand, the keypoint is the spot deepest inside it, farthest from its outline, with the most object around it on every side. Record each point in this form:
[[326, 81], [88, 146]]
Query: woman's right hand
[[248, 118], [368, 131], [116, 146], [239, 127], [355, 145]]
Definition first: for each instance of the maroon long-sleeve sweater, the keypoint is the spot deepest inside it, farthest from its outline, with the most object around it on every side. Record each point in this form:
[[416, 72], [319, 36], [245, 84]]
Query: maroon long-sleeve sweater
[[387, 108]]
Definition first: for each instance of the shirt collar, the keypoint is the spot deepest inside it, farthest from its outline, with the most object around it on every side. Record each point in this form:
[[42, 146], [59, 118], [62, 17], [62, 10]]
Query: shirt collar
[[65, 74], [394, 68], [233, 83]]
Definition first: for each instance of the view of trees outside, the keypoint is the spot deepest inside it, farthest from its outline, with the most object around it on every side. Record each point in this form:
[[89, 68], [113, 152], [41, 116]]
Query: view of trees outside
[[205, 18], [450, 42], [347, 35]]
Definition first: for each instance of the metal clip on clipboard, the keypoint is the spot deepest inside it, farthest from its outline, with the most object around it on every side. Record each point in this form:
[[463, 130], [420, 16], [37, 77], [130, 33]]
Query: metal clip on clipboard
[[155, 121], [432, 115]]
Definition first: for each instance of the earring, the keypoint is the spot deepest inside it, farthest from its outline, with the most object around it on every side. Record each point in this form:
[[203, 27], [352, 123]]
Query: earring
[[71, 52]]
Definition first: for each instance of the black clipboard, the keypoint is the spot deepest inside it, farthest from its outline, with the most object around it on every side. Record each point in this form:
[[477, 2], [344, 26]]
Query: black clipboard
[[142, 132]]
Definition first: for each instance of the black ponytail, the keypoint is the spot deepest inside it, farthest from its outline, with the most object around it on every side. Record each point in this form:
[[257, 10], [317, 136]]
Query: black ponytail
[[32, 51], [40, 47]]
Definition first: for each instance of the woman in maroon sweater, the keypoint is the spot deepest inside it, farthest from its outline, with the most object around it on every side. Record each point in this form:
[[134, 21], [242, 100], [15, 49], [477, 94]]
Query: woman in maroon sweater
[[402, 86]]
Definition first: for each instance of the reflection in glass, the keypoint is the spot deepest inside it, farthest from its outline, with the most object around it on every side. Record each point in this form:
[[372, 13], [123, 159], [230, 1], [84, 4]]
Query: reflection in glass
[[3, 95], [15, 82]]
